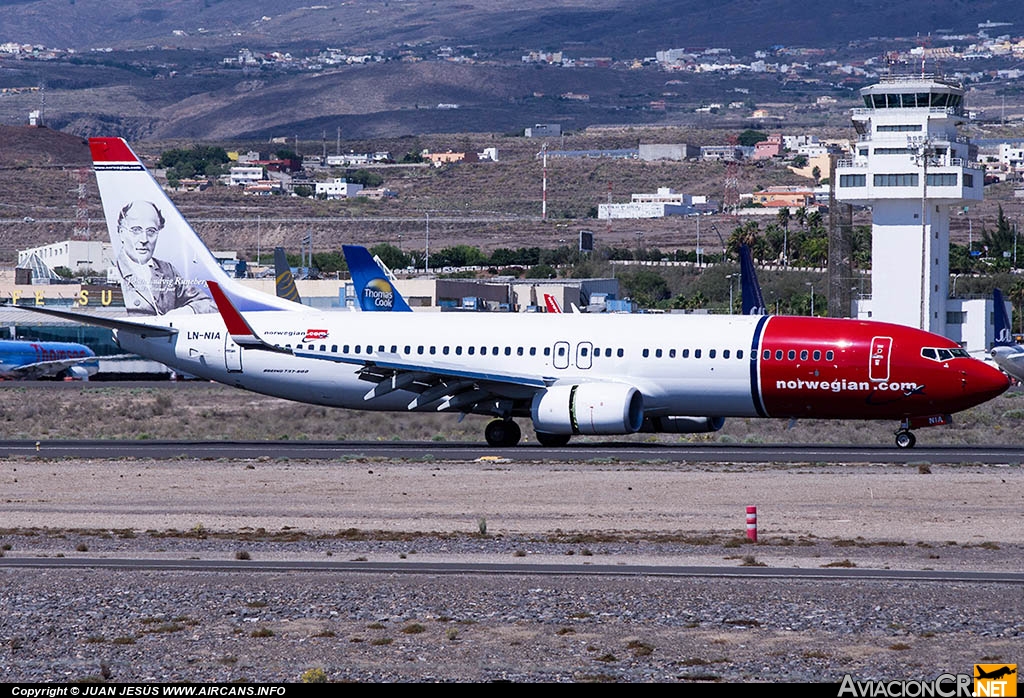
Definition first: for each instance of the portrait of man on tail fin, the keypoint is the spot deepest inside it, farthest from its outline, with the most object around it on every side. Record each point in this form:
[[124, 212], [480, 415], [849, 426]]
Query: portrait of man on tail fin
[[152, 286]]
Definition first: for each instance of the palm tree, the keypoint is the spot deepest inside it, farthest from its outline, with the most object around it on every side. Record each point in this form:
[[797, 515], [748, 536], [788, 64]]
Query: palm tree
[[1016, 296], [784, 216]]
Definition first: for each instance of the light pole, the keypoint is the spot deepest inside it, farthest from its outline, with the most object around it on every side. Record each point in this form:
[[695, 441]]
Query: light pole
[[730, 277], [811, 284], [697, 218]]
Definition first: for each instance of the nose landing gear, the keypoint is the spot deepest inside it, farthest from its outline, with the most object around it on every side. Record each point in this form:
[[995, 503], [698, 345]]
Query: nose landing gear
[[905, 438]]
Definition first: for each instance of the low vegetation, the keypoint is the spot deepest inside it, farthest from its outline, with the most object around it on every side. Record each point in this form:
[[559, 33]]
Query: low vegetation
[[200, 410]]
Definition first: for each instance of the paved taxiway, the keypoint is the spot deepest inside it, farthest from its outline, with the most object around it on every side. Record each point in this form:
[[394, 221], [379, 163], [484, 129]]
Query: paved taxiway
[[581, 451]]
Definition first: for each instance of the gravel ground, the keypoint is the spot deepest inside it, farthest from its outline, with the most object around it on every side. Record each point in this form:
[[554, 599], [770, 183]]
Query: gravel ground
[[60, 625]]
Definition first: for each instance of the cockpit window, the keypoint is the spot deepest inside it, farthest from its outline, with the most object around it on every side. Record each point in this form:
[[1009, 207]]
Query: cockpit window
[[944, 354]]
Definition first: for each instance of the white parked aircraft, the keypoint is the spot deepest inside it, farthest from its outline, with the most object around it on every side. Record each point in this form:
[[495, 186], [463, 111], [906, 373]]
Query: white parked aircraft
[[582, 374]]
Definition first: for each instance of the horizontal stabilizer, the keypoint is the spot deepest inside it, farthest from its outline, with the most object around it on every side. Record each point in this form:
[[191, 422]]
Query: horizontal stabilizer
[[140, 328]]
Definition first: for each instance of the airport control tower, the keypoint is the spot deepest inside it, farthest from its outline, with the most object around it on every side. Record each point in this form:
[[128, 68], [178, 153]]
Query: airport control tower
[[911, 167]]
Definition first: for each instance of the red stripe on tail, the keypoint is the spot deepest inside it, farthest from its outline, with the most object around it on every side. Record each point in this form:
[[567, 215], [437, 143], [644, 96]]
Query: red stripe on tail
[[111, 150]]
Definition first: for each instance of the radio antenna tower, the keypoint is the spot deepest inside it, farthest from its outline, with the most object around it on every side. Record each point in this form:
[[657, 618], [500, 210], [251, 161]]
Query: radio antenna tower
[[81, 229]]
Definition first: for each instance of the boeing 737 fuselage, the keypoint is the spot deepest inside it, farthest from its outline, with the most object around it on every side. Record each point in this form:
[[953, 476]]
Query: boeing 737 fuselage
[[601, 374]]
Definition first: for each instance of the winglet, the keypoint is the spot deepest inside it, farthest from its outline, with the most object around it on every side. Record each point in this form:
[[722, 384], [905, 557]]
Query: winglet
[[239, 329]]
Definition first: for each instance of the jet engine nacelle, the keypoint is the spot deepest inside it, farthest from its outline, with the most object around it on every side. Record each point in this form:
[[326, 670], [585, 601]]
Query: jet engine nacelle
[[682, 425], [588, 408], [77, 373]]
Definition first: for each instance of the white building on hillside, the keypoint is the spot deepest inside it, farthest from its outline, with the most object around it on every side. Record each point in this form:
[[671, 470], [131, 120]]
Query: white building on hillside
[[338, 188], [241, 175]]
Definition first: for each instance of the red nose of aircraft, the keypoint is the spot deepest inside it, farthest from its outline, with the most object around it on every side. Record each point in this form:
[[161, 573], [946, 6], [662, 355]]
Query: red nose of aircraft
[[984, 382]]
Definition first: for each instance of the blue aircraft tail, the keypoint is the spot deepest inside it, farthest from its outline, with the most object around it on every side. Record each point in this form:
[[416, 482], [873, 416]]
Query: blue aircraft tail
[[1002, 335], [374, 290], [750, 290]]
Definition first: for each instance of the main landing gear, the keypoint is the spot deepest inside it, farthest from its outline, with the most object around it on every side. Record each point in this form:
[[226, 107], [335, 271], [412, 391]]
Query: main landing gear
[[505, 433], [502, 432]]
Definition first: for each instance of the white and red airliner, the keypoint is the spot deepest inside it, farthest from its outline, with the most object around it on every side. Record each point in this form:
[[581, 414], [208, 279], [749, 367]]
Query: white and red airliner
[[589, 374]]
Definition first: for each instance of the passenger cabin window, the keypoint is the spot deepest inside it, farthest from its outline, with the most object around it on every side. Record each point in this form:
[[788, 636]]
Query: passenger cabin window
[[646, 353], [803, 355], [686, 353], [620, 353], [657, 353], [696, 353], [829, 355], [778, 355], [725, 353], [739, 353], [791, 354], [711, 353]]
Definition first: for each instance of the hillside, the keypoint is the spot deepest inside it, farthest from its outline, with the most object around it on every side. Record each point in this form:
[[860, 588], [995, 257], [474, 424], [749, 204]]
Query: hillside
[[174, 70], [598, 27]]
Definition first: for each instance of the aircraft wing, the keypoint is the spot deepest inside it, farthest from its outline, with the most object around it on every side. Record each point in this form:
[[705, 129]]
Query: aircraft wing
[[43, 369], [450, 386], [109, 323]]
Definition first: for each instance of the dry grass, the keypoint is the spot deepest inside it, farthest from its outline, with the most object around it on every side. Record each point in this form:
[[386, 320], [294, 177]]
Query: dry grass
[[200, 410]]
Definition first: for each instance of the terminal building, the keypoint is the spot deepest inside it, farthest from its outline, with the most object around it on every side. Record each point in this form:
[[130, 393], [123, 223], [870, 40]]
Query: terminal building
[[912, 167]]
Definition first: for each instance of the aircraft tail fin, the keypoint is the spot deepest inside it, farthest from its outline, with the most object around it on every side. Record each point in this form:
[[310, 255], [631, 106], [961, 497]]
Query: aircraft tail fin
[[750, 290], [285, 280], [551, 304], [1002, 336], [160, 261], [374, 290]]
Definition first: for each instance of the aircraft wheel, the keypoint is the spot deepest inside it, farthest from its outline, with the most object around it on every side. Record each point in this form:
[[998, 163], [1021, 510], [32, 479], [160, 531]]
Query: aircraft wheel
[[502, 432], [552, 440], [905, 439]]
